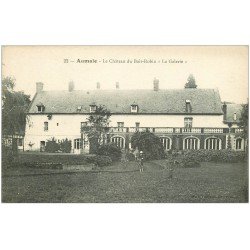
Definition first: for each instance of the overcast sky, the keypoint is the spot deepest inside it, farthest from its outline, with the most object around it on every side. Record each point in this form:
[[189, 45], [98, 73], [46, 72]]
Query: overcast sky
[[222, 67]]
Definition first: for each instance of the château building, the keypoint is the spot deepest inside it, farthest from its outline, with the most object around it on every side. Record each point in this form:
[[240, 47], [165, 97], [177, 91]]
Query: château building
[[189, 118]]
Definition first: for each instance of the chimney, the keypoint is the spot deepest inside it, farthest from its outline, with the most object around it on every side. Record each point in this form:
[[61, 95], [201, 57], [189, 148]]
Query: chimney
[[117, 85], [224, 109], [98, 85], [156, 84], [71, 86], [39, 87]]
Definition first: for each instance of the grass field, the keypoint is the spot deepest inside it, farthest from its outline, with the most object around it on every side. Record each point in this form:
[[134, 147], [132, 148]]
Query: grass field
[[213, 182]]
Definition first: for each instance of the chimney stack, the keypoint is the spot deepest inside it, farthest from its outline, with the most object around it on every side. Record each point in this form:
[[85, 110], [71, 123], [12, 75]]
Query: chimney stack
[[117, 85], [39, 87], [156, 84], [98, 85], [224, 109], [71, 86]]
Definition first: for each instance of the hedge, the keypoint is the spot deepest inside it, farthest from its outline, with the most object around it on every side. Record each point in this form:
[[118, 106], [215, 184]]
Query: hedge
[[226, 155]]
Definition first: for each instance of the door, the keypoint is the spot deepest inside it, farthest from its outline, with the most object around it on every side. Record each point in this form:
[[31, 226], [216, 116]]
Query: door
[[42, 146]]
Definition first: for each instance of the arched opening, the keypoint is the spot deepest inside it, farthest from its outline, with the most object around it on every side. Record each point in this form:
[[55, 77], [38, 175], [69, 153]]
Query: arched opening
[[191, 143], [166, 142], [119, 141], [213, 143]]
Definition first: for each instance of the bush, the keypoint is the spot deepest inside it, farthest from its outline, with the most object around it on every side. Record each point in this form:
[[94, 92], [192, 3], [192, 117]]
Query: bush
[[110, 150], [100, 160], [52, 146], [149, 143], [65, 146], [225, 155], [67, 159], [130, 156]]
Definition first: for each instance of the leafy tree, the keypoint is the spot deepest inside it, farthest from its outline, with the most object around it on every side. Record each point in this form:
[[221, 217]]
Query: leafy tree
[[98, 124], [244, 121], [191, 83], [149, 143], [14, 107]]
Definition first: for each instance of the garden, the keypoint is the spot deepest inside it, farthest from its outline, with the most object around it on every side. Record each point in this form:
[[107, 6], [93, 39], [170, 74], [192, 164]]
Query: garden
[[112, 175]]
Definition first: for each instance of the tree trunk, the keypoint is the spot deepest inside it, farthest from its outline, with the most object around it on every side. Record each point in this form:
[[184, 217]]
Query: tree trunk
[[93, 145]]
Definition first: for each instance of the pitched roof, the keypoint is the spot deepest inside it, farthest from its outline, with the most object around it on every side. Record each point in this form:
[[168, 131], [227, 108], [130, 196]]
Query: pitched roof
[[119, 101], [231, 109]]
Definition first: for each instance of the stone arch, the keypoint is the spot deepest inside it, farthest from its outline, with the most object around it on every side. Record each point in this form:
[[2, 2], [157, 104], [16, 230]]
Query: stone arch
[[191, 143], [118, 140], [166, 142], [213, 143]]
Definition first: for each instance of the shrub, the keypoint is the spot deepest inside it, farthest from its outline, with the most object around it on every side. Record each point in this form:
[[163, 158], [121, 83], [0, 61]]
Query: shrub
[[100, 160], [65, 146], [68, 159], [52, 146], [225, 155], [149, 143], [130, 156], [110, 150]]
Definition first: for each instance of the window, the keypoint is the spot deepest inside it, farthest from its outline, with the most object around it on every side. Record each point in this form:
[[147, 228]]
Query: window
[[137, 125], [19, 142], [120, 126], [42, 146], [213, 143], [40, 108], [166, 142], [188, 123], [79, 108], [77, 143], [46, 126], [191, 143], [239, 143], [235, 116], [134, 108], [92, 108], [84, 127], [119, 141], [57, 124], [188, 106]]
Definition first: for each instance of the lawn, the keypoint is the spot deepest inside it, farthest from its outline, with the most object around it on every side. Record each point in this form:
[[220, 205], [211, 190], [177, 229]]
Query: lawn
[[212, 182]]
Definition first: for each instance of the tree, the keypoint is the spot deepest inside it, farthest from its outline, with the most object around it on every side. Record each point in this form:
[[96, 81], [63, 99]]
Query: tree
[[191, 83], [14, 107], [98, 124], [244, 121], [149, 143]]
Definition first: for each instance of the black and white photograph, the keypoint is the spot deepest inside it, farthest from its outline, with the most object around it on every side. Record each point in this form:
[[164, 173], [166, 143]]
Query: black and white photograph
[[125, 124]]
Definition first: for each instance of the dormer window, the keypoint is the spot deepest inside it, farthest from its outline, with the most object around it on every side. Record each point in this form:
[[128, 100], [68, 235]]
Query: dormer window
[[188, 106], [92, 108], [134, 108], [40, 107], [235, 116], [79, 108]]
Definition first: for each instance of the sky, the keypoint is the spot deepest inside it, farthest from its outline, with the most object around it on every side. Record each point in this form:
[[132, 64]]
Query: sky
[[222, 67]]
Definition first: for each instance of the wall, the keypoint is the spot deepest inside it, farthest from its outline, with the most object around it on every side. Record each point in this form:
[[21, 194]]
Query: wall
[[68, 126]]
